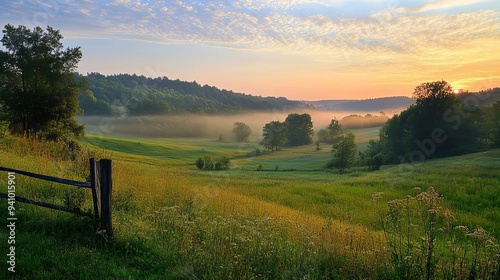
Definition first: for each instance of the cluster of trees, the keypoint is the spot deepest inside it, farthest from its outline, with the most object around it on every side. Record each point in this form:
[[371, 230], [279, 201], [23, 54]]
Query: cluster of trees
[[139, 95], [296, 130], [206, 163], [39, 90], [439, 124]]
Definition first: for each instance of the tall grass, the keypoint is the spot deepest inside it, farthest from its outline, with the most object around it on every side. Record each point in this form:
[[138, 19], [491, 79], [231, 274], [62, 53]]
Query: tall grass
[[172, 221], [426, 241]]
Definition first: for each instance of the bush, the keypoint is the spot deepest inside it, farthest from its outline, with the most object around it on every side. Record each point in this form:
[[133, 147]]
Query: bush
[[222, 164], [206, 163], [332, 163], [200, 163], [375, 162]]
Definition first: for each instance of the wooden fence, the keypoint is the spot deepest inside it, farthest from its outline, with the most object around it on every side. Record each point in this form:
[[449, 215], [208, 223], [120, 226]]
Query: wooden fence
[[100, 184]]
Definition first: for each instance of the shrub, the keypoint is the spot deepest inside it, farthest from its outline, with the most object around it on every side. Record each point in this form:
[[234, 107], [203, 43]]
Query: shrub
[[222, 164], [332, 163], [208, 163], [200, 163], [375, 162]]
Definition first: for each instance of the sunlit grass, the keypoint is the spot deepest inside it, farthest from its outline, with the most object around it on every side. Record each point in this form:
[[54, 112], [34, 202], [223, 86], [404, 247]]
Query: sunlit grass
[[174, 221]]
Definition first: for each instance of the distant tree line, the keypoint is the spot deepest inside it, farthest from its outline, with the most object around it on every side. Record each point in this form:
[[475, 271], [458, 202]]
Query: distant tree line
[[139, 95], [369, 120]]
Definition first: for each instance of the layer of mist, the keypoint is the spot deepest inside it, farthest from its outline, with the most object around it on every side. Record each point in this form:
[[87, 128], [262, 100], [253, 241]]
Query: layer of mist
[[198, 126]]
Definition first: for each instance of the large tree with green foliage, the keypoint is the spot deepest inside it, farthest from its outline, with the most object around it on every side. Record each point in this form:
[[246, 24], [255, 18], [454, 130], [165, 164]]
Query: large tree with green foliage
[[241, 131], [274, 135], [39, 92], [300, 129]]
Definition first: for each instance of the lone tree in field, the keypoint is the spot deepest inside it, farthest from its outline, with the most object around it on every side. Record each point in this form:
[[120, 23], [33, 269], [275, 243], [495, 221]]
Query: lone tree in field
[[241, 132], [39, 91], [344, 152], [300, 129], [274, 135]]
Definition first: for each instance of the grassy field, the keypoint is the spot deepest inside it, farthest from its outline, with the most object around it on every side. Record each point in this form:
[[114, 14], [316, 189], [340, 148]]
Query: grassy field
[[296, 221]]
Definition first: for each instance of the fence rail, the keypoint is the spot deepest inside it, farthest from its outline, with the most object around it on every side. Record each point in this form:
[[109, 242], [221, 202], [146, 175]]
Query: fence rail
[[48, 178], [100, 184]]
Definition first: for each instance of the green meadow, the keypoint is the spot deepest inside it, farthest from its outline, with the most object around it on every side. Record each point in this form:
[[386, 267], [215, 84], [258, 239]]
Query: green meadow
[[280, 215]]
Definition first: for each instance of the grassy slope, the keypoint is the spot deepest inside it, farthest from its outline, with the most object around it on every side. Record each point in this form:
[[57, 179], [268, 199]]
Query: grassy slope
[[184, 151], [153, 173]]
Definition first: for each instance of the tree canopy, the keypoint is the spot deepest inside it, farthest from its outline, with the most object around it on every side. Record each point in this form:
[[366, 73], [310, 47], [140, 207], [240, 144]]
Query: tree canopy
[[274, 135], [39, 92], [344, 152], [300, 129]]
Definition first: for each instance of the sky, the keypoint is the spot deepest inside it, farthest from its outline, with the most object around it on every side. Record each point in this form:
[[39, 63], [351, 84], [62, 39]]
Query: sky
[[299, 49]]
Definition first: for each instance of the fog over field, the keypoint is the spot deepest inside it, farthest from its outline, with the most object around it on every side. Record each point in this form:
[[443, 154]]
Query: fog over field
[[199, 126]]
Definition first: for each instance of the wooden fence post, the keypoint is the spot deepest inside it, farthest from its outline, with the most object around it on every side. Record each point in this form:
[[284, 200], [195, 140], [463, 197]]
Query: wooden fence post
[[106, 187], [101, 183]]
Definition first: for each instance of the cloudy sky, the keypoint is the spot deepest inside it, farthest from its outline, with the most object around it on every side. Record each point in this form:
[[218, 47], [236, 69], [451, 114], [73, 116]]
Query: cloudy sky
[[300, 49]]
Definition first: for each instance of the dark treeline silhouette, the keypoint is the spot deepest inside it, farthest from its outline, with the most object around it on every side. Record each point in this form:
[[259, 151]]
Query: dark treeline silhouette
[[439, 124], [483, 98], [140, 95]]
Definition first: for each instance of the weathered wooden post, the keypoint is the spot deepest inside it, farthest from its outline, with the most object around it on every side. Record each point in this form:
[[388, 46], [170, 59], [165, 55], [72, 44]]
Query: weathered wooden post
[[106, 186], [101, 183]]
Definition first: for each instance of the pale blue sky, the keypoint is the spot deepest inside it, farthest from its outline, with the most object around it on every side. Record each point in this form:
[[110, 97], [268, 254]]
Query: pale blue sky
[[301, 49]]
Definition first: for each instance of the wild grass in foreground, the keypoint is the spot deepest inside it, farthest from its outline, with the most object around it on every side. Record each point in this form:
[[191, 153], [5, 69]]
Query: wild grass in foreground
[[173, 221]]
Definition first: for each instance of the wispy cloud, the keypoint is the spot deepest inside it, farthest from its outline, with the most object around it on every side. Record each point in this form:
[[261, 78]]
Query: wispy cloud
[[267, 25], [446, 4]]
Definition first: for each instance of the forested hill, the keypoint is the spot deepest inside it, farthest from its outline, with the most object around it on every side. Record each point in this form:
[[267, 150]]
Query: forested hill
[[139, 95]]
